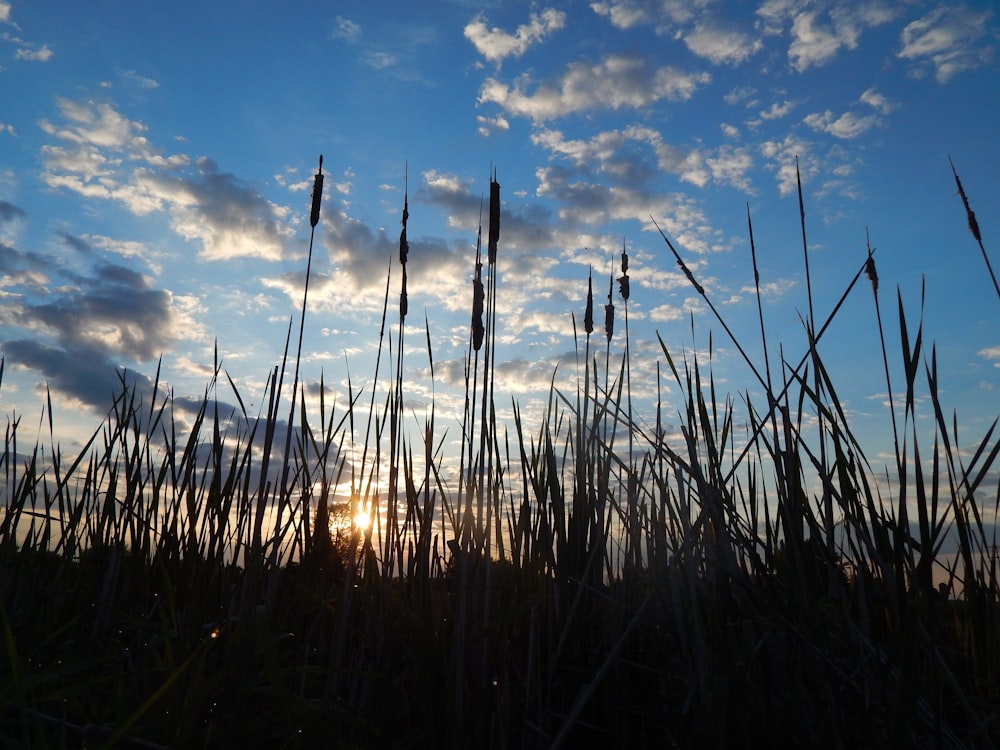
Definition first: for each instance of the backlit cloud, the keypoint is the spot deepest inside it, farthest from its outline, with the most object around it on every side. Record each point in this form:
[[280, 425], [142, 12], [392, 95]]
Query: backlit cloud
[[617, 82], [101, 154]]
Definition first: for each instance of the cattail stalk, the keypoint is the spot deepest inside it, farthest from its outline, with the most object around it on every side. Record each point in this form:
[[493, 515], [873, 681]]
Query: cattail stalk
[[974, 226]]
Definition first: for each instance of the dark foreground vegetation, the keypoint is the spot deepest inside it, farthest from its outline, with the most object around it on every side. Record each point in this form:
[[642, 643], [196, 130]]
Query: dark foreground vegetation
[[586, 581]]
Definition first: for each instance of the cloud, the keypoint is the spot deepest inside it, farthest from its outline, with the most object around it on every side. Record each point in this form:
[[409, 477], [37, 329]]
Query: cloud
[[845, 126], [991, 353], [627, 14], [42, 54], [818, 36], [9, 212], [379, 60], [488, 125], [721, 45], [781, 159], [4, 12], [346, 29], [139, 81], [874, 99], [496, 44], [617, 82], [102, 154], [947, 40]]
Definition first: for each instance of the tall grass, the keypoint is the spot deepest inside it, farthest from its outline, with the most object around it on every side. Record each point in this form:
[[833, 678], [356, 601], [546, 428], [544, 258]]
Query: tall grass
[[588, 578]]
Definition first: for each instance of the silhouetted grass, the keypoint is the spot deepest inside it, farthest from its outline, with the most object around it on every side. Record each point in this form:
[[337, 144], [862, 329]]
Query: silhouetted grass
[[588, 579]]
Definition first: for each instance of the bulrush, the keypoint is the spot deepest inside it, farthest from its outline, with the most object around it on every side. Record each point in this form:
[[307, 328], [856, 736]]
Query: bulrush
[[609, 312], [494, 235], [478, 298], [588, 316], [317, 194], [404, 249], [623, 286]]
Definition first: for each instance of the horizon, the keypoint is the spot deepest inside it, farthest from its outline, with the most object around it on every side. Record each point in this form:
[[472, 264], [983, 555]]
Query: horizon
[[156, 204]]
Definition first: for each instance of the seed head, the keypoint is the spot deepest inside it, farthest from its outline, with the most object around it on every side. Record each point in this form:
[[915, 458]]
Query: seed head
[[478, 298], [494, 235], [588, 316], [317, 194], [871, 272]]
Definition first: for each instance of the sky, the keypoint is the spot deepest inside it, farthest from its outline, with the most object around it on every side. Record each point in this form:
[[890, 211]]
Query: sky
[[157, 159]]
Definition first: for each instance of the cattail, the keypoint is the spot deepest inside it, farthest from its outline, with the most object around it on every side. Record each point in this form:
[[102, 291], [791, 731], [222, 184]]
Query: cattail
[[404, 245], [588, 316], [623, 287], [404, 304], [609, 311], [871, 272], [969, 213], [690, 277], [317, 194], [478, 298], [494, 234]]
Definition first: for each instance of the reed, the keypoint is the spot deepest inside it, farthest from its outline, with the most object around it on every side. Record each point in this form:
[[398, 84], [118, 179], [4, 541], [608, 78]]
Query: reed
[[746, 581]]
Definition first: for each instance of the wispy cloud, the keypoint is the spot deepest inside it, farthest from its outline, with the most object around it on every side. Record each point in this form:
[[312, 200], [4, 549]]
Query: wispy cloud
[[346, 29], [496, 44], [948, 40]]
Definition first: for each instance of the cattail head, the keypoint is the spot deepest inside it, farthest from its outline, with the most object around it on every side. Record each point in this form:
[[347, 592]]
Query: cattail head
[[317, 194], [969, 213], [609, 320], [404, 245], [871, 272], [478, 299], [588, 316], [404, 304], [623, 287], [494, 235]]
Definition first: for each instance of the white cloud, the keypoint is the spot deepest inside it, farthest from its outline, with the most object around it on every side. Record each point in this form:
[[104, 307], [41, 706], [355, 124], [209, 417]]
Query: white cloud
[[845, 126], [730, 131], [488, 125], [139, 80], [4, 12], [874, 99], [991, 353], [618, 82], [102, 154], [721, 45], [346, 29], [818, 36], [495, 44], [946, 40], [42, 54], [626, 14], [730, 165], [777, 111], [781, 156], [379, 60]]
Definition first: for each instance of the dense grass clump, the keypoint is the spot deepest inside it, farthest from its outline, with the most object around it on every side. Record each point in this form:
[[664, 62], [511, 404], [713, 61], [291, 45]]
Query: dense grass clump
[[589, 578]]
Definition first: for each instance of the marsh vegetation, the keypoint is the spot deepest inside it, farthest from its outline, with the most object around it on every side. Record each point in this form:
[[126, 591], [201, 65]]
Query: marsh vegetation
[[757, 583]]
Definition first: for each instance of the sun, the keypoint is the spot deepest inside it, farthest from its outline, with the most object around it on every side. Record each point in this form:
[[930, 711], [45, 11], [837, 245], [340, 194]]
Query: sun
[[362, 520]]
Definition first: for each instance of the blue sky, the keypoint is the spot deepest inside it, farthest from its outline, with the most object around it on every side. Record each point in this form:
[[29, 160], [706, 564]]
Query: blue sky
[[157, 162]]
